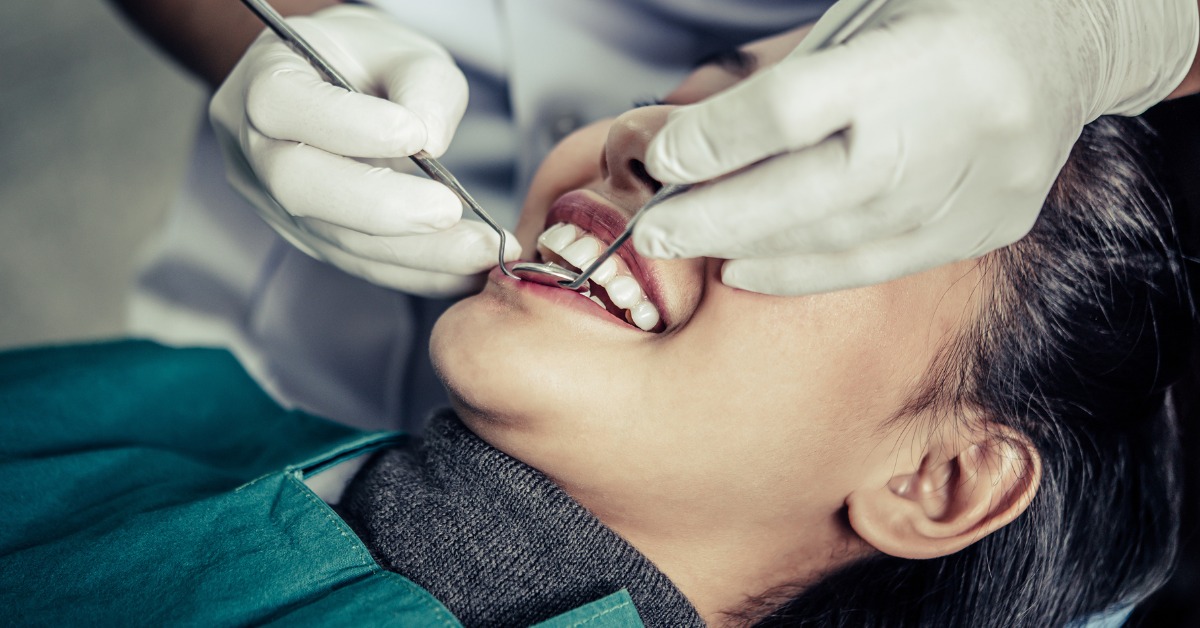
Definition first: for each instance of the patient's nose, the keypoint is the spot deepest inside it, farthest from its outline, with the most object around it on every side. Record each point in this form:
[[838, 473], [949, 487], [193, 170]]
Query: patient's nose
[[623, 162]]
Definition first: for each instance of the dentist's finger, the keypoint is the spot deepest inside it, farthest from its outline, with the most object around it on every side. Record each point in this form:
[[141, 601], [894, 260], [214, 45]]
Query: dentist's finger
[[413, 280], [417, 281], [792, 105], [435, 91], [877, 262], [288, 100], [313, 183], [840, 231], [724, 218], [466, 248]]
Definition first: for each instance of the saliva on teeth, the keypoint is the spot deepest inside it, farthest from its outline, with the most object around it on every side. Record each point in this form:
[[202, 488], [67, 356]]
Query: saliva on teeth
[[581, 249]]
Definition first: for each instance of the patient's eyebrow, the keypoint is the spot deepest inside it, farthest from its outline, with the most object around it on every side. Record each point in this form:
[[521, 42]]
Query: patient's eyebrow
[[735, 61]]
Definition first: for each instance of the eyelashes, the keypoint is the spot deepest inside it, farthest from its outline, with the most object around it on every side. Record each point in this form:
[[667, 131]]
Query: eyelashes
[[733, 60], [648, 103]]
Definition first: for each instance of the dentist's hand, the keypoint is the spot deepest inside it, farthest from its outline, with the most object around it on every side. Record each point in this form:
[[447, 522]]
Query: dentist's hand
[[328, 169], [932, 136]]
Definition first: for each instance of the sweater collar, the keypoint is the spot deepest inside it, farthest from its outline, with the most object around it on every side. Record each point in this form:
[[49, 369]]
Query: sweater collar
[[493, 539]]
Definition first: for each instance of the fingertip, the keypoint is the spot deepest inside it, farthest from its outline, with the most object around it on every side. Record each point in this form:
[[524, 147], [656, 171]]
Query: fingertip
[[766, 277], [406, 132], [651, 241], [661, 158], [732, 276], [439, 123], [478, 247], [512, 248], [436, 143], [415, 217], [436, 138], [444, 205], [435, 91]]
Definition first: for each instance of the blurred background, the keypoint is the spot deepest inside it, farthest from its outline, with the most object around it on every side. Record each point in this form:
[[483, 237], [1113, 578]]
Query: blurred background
[[95, 127]]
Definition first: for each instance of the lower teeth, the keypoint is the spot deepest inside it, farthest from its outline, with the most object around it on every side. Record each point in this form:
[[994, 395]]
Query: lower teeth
[[554, 259]]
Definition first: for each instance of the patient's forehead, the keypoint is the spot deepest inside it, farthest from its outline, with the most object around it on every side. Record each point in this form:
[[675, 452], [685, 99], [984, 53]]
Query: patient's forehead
[[714, 74], [722, 70]]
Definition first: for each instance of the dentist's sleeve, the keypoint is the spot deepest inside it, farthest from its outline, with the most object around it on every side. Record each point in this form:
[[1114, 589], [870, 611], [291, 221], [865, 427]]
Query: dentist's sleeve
[[932, 136]]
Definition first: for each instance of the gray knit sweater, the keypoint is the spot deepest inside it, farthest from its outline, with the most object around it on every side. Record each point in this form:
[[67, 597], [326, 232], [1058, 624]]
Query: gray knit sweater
[[494, 540]]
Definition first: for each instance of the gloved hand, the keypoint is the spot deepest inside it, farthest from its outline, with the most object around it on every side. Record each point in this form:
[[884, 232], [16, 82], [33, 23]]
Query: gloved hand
[[932, 136], [327, 169]]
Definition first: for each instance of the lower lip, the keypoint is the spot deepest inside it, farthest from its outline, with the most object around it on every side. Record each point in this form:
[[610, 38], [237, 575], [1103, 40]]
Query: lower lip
[[558, 296]]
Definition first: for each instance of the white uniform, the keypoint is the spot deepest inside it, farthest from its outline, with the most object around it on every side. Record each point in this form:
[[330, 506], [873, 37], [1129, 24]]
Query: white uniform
[[340, 347]]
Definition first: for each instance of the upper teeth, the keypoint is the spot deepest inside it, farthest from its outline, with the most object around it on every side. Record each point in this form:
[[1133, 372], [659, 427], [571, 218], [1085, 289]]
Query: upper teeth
[[581, 249]]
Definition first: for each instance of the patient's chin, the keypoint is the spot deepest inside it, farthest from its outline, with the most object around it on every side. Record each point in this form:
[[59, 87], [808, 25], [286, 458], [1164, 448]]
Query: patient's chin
[[458, 349], [508, 378], [479, 360]]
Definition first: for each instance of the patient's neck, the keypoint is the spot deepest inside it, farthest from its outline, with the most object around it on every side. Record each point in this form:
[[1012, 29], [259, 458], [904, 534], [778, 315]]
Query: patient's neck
[[498, 543], [724, 559], [722, 545]]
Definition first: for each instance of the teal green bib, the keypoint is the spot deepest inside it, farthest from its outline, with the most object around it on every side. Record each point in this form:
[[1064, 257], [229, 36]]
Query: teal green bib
[[145, 486]]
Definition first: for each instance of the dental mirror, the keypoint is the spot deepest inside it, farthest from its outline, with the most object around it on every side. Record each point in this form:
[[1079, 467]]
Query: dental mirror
[[566, 278]]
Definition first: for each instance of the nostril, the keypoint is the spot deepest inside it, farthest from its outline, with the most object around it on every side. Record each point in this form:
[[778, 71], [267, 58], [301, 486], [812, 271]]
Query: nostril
[[639, 170]]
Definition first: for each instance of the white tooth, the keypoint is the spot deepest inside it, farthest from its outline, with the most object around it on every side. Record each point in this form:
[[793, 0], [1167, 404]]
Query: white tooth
[[645, 315], [582, 251], [557, 238], [624, 291], [549, 230], [606, 272], [597, 301]]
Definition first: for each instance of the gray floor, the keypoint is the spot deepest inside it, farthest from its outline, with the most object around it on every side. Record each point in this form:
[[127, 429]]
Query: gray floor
[[94, 130]]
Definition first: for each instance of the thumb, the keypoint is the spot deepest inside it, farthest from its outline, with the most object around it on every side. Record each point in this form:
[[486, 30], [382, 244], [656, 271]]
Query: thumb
[[792, 105], [434, 90]]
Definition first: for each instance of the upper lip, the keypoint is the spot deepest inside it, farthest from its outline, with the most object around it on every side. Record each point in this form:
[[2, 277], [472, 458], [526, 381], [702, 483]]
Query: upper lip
[[596, 216]]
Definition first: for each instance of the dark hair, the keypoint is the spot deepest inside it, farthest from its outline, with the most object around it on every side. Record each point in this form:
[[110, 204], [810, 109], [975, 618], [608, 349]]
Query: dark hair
[[1087, 324]]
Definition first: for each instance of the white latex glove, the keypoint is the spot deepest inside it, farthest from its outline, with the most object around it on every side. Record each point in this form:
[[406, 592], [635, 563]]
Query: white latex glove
[[932, 136], [328, 169]]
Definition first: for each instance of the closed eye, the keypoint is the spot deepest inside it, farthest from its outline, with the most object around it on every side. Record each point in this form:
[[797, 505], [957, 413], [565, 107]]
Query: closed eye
[[649, 103]]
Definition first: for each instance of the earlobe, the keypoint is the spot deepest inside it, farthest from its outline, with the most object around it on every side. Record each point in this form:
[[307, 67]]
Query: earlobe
[[961, 490]]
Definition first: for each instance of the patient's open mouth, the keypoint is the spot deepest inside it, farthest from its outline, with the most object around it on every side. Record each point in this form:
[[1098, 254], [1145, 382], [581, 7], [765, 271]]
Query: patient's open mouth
[[614, 287]]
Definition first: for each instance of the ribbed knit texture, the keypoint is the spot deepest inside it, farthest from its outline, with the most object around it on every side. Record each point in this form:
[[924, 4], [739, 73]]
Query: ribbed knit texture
[[493, 539]]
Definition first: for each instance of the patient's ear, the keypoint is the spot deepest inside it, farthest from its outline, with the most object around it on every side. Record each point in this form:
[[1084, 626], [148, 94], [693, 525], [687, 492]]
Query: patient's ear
[[957, 490]]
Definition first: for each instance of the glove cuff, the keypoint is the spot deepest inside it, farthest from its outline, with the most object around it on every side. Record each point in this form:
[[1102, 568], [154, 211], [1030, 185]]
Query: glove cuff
[[1150, 48]]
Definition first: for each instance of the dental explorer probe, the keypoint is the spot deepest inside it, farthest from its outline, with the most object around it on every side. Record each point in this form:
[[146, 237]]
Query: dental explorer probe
[[856, 15], [430, 166]]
